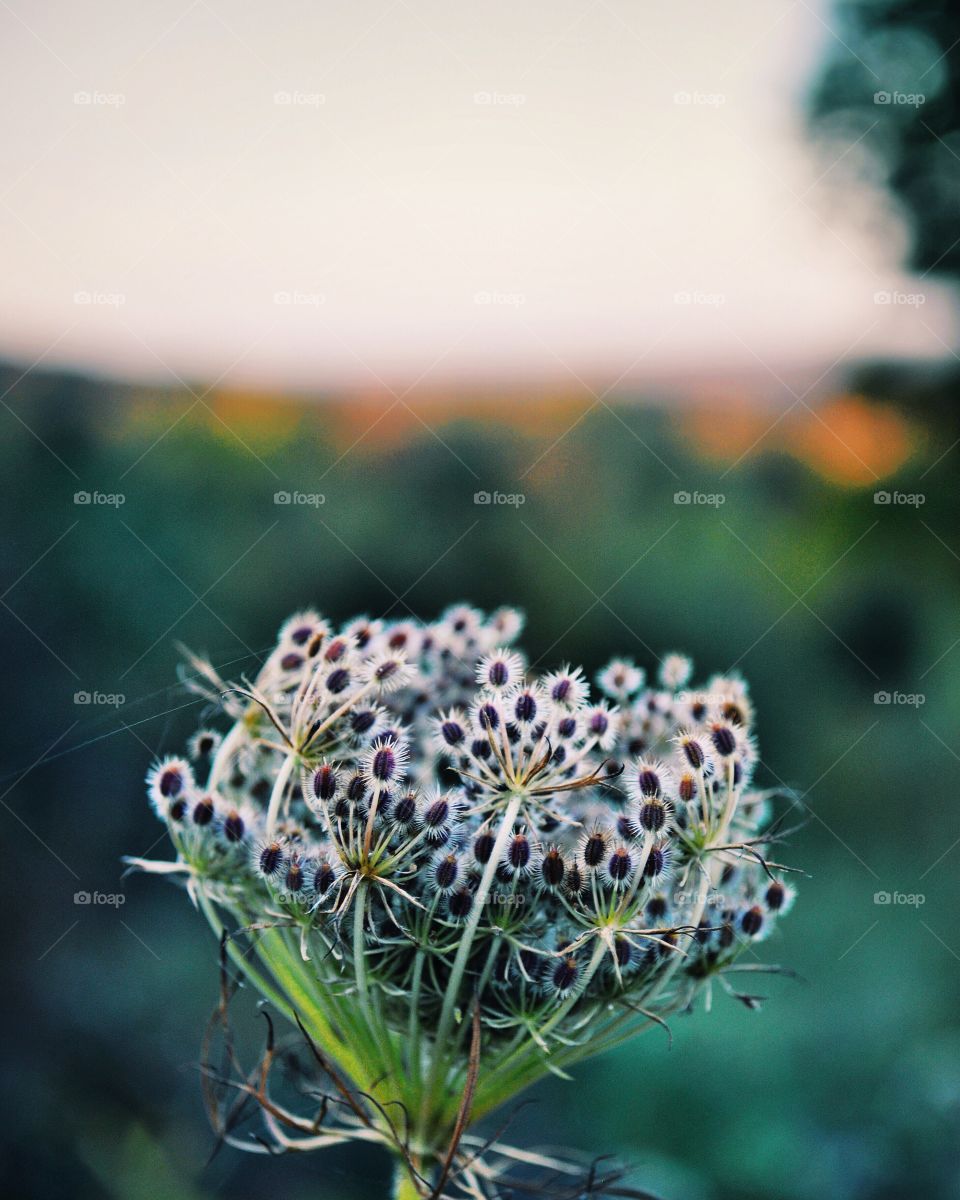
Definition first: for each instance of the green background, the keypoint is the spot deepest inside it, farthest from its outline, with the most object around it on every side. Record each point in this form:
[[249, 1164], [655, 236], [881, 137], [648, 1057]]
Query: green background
[[846, 1084]]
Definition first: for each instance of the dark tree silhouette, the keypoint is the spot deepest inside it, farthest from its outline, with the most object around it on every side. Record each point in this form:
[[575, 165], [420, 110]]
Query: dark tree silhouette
[[892, 79]]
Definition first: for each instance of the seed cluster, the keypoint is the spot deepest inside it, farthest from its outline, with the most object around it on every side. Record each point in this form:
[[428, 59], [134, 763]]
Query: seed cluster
[[418, 826]]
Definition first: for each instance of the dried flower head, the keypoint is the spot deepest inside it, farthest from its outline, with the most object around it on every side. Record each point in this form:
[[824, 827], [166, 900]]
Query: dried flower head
[[455, 874]]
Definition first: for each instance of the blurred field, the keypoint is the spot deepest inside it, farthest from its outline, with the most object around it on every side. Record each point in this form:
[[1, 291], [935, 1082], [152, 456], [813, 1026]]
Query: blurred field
[[847, 1084]]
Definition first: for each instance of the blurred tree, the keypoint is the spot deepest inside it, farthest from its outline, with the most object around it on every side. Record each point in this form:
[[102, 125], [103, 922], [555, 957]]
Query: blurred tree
[[891, 81]]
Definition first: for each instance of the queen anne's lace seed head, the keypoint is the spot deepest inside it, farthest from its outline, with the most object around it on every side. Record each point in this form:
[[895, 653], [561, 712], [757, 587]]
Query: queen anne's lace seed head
[[439, 827]]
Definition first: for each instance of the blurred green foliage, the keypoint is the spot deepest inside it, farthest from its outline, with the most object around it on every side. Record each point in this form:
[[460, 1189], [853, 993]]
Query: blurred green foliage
[[847, 1084], [890, 85]]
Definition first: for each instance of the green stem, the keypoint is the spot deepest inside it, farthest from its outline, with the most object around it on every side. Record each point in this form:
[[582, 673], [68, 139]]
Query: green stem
[[405, 1186], [469, 932]]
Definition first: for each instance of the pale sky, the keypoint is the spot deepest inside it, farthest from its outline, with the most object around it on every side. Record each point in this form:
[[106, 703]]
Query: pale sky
[[303, 194]]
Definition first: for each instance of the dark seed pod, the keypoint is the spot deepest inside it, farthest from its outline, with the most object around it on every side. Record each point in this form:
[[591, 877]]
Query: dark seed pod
[[483, 847], [487, 716], [656, 863], [405, 809], [203, 811], [775, 896], [294, 879], [363, 721], [324, 782], [594, 849], [271, 859], [337, 681], [384, 764], [335, 651], [446, 871], [460, 903], [452, 733], [648, 781], [233, 827], [498, 674], [752, 921], [435, 815], [693, 752], [518, 852], [177, 809], [619, 864], [552, 868], [599, 723], [171, 783], [323, 879], [656, 907], [724, 740], [652, 815], [565, 974], [291, 661]]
